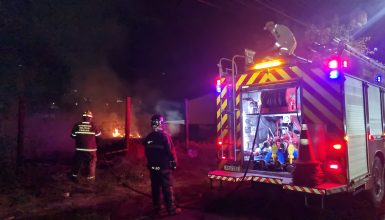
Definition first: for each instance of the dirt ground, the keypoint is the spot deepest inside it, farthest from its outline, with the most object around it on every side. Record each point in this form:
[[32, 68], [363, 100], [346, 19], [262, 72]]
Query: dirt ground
[[43, 191]]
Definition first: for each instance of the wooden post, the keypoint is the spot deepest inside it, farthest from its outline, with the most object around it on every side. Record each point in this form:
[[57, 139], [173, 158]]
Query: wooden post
[[186, 125], [127, 124], [20, 132]]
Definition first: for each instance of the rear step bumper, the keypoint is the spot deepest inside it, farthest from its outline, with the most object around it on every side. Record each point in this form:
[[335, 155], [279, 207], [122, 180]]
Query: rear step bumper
[[278, 179]]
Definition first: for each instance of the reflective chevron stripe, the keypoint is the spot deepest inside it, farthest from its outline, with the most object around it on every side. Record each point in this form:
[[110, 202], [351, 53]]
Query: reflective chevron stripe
[[305, 189], [228, 178], [267, 180]]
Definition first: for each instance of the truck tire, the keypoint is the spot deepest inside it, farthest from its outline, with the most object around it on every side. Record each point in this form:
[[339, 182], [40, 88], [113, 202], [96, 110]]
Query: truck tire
[[378, 188]]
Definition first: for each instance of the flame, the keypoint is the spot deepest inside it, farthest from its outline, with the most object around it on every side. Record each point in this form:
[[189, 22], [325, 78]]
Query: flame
[[136, 135], [116, 133]]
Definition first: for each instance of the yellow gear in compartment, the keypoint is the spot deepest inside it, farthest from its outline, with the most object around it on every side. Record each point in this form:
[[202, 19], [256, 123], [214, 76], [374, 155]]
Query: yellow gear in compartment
[[290, 150], [274, 150]]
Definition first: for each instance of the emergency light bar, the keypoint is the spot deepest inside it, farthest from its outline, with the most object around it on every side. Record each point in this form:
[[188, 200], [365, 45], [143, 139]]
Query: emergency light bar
[[335, 65], [218, 87], [267, 64], [334, 74]]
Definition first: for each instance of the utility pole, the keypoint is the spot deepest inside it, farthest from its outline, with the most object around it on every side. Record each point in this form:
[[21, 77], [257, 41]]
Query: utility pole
[[20, 118], [127, 122]]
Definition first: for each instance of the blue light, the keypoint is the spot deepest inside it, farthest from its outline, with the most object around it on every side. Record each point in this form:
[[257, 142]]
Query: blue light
[[218, 87], [334, 74], [379, 78]]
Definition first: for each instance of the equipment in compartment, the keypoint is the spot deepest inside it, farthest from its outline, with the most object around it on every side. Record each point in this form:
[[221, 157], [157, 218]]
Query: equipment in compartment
[[276, 144], [280, 147]]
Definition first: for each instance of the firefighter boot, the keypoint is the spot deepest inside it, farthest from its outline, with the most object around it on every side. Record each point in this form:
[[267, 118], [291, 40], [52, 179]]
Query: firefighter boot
[[170, 201]]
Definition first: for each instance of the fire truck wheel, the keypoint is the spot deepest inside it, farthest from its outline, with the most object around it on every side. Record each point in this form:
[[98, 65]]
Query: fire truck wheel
[[377, 191]]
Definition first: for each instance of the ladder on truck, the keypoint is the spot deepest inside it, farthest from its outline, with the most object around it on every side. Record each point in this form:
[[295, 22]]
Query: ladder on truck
[[227, 102]]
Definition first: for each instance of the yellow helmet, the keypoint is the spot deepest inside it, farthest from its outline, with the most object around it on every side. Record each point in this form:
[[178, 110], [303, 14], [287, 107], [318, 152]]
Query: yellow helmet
[[88, 114]]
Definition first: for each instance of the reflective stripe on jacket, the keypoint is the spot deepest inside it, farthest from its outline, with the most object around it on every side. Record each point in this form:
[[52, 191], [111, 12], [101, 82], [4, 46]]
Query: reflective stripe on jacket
[[85, 134]]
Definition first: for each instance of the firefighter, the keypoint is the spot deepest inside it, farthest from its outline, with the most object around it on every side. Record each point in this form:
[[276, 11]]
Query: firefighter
[[285, 41], [85, 134], [161, 161]]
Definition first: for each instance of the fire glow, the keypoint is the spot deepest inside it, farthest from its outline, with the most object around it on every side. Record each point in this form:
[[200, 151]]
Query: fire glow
[[116, 133], [137, 135]]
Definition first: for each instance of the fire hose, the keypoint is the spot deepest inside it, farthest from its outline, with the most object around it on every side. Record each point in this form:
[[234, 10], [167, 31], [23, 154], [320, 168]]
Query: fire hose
[[251, 155]]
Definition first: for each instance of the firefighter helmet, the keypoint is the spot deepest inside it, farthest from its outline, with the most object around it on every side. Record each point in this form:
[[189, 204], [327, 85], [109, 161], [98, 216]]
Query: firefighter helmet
[[88, 114], [157, 121]]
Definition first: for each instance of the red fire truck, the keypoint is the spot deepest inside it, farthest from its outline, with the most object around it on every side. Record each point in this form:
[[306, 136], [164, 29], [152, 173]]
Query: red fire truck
[[263, 113]]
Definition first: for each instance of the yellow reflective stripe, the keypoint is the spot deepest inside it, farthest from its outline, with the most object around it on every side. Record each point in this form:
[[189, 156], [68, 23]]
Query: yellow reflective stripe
[[252, 78], [238, 114], [84, 132], [326, 112], [283, 73], [85, 149], [238, 99], [240, 81], [224, 133], [331, 99], [264, 78], [311, 115], [223, 93], [297, 71], [322, 76], [224, 119], [224, 104], [271, 77]]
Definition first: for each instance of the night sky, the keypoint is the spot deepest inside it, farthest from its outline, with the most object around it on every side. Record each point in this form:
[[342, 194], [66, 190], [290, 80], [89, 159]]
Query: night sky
[[158, 48], [178, 43]]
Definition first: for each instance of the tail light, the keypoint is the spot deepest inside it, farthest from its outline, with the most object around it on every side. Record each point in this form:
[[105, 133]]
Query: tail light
[[334, 166], [337, 146], [223, 158], [220, 143], [370, 137]]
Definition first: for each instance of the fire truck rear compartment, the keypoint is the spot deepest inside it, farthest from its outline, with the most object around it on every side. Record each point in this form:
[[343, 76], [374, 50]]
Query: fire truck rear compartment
[[275, 110]]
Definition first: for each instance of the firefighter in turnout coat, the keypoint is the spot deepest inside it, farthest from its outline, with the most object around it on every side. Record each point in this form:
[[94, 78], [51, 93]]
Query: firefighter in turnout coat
[[85, 134], [161, 161]]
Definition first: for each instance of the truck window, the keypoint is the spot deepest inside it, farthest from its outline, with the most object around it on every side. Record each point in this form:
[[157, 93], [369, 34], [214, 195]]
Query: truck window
[[374, 105]]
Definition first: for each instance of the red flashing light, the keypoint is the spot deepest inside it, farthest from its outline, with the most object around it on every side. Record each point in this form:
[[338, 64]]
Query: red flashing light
[[370, 137], [337, 146], [333, 64], [345, 64], [334, 166], [219, 142], [223, 158]]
